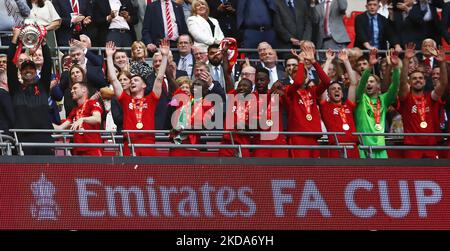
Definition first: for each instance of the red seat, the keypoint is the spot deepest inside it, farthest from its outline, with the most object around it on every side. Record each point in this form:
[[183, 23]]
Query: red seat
[[349, 23]]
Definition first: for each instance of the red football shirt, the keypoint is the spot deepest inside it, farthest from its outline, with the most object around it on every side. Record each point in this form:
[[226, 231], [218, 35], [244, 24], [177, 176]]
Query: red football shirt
[[297, 113], [411, 119], [86, 110], [333, 121], [148, 116], [270, 110]]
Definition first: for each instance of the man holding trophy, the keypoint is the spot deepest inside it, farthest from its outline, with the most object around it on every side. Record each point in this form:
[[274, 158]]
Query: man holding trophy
[[30, 98]]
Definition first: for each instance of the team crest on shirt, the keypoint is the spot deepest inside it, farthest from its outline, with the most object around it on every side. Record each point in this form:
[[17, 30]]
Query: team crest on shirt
[[130, 106], [414, 109], [336, 111]]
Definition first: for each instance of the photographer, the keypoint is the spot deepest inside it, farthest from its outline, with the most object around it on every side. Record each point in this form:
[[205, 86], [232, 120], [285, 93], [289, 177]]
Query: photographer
[[115, 20]]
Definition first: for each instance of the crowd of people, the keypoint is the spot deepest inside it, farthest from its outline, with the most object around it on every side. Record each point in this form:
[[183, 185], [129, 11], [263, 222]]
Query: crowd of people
[[399, 84]]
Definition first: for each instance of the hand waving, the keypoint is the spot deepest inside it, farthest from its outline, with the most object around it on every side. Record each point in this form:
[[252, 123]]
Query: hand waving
[[110, 48], [164, 47]]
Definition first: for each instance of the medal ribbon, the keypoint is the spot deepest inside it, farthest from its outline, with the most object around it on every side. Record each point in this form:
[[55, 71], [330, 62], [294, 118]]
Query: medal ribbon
[[343, 115], [138, 110], [377, 111], [306, 100], [420, 104]]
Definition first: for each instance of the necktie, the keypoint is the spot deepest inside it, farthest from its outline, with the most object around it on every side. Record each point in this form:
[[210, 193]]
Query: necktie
[[75, 6], [169, 21], [427, 62], [216, 74], [372, 33], [13, 12], [291, 7], [183, 64], [327, 14]]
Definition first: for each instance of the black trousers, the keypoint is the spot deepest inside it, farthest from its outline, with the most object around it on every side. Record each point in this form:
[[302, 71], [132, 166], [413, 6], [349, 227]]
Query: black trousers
[[120, 38]]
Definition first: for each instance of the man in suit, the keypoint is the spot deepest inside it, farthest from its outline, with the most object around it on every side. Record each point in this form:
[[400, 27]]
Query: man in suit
[[255, 20], [215, 61], [76, 15], [12, 13], [373, 30], [225, 12], [424, 16], [115, 20], [157, 25], [185, 59], [405, 29], [328, 16], [292, 22], [269, 62]]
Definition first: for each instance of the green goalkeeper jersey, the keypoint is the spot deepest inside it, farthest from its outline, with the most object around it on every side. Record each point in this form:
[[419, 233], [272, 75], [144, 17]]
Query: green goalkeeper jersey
[[364, 112]]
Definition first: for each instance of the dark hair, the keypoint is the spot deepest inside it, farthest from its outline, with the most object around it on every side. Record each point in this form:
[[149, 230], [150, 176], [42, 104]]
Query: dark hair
[[290, 56], [119, 51], [363, 58], [40, 3], [213, 46], [78, 67], [368, 1], [416, 71], [262, 70], [340, 83], [82, 83], [138, 76]]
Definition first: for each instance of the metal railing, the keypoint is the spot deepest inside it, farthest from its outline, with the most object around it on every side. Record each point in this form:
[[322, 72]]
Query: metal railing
[[8, 143], [370, 149], [239, 147]]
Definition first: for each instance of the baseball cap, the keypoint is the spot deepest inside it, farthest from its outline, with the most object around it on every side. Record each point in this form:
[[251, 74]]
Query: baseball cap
[[27, 63]]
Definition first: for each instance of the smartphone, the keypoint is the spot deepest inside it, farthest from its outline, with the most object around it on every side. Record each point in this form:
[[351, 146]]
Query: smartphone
[[67, 62]]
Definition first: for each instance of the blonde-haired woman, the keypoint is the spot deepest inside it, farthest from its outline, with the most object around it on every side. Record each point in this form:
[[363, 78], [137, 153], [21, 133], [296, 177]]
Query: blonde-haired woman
[[204, 29], [138, 66]]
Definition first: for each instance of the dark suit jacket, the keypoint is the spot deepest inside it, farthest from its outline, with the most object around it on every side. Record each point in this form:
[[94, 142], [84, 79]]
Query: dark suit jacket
[[64, 8], [153, 24], [363, 32], [405, 29], [289, 26], [430, 29], [240, 12], [102, 9], [227, 20], [445, 22], [176, 59]]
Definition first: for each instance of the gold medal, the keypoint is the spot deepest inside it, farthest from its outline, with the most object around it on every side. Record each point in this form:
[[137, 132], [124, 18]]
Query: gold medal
[[423, 124], [139, 125], [346, 127], [269, 122], [378, 127], [308, 117]]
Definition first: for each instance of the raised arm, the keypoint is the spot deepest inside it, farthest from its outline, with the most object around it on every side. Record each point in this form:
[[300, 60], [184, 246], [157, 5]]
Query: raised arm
[[404, 87], [330, 56], [164, 49], [351, 75], [324, 79], [366, 74], [439, 90], [110, 50], [46, 73], [226, 69], [299, 76], [392, 92]]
